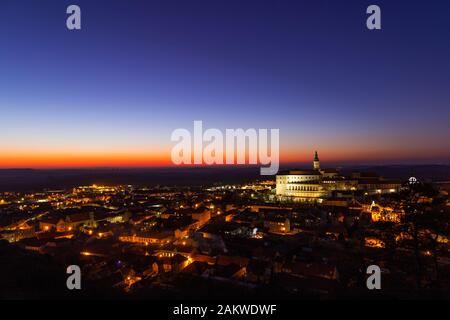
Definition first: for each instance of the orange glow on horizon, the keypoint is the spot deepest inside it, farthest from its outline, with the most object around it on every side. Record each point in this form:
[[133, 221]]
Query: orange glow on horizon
[[161, 157], [83, 160]]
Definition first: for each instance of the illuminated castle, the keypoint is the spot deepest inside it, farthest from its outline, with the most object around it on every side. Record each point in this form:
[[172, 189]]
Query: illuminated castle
[[317, 183]]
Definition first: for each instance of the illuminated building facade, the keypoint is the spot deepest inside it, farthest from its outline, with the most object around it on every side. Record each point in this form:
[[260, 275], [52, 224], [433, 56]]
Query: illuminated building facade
[[317, 183]]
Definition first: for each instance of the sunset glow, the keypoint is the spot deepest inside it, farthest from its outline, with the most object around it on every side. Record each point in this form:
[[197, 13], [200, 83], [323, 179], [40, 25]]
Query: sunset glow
[[101, 98]]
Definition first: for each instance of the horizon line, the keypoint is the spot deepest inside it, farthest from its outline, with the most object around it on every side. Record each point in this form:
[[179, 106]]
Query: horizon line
[[204, 166]]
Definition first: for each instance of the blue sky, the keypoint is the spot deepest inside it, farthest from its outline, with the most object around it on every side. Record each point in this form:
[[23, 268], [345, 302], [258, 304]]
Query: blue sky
[[140, 69]]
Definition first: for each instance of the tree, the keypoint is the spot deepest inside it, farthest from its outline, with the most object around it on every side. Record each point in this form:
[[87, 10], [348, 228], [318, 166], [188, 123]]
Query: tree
[[424, 223]]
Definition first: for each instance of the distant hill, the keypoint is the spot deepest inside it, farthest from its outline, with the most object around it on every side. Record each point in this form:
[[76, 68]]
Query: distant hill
[[34, 180], [403, 172]]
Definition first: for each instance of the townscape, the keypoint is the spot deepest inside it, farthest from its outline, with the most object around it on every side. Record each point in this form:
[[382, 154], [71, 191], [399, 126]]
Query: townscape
[[240, 240]]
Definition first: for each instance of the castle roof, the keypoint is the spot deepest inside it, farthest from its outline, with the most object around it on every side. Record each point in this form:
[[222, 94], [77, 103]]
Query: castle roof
[[308, 172]]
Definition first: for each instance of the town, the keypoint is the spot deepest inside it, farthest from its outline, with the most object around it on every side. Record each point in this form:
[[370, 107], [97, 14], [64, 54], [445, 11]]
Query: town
[[228, 240]]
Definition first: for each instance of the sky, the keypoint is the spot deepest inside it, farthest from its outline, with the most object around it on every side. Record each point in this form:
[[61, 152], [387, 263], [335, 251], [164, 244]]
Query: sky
[[112, 93]]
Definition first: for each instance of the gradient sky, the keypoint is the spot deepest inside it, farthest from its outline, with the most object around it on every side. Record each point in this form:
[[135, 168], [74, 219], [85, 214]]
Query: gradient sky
[[112, 93]]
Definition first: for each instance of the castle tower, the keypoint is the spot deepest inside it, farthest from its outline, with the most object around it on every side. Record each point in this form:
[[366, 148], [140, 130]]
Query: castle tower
[[316, 162]]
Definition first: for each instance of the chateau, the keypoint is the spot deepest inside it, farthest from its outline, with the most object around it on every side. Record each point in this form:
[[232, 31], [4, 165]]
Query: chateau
[[316, 184]]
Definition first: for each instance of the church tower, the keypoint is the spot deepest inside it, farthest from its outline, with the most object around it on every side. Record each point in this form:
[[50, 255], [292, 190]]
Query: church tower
[[316, 162]]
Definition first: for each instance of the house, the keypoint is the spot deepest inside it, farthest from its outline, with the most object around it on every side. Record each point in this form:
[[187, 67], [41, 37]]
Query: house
[[55, 224], [202, 216], [196, 268], [204, 258], [175, 263], [36, 245], [228, 215], [160, 237], [214, 231], [181, 233], [69, 223], [277, 224], [225, 272], [85, 219], [18, 234], [224, 260]]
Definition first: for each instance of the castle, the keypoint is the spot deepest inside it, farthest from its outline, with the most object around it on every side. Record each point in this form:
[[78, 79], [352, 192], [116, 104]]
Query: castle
[[316, 184]]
